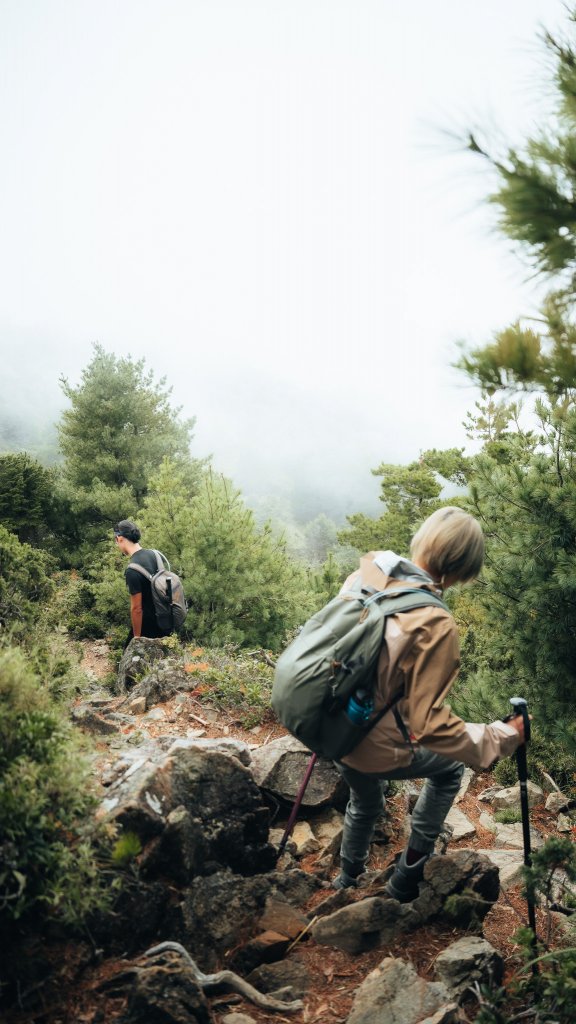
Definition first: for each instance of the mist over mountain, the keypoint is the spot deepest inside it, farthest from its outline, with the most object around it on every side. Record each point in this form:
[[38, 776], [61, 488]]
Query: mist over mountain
[[292, 458]]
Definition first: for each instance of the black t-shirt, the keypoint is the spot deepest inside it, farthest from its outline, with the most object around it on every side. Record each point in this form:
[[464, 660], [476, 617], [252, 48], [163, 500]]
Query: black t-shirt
[[138, 584]]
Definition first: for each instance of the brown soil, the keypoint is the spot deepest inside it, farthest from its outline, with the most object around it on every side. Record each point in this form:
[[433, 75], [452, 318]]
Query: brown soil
[[75, 995]]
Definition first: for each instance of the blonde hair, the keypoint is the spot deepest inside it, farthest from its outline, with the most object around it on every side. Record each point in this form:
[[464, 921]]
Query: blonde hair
[[449, 543]]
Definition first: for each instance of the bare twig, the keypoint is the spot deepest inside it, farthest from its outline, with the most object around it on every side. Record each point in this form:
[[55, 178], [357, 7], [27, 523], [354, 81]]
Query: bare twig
[[302, 933]]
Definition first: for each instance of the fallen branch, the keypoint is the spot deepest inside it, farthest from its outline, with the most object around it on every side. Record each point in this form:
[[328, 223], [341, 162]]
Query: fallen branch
[[198, 719], [226, 978]]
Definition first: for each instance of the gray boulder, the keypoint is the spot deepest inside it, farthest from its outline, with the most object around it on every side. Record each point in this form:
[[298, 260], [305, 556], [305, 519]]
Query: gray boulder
[[462, 887], [220, 912], [395, 993], [166, 993], [183, 813], [508, 863], [461, 827], [279, 767], [162, 680], [510, 797], [364, 925], [140, 655], [284, 974], [466, 961]]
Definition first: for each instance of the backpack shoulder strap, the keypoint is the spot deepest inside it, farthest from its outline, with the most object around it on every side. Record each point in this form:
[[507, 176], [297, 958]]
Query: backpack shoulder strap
[[140, 569], [403, 599], [160, 560]]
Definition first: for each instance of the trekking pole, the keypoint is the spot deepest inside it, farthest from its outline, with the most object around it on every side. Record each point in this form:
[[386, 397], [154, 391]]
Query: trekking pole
[[520, 707], [297, 802]]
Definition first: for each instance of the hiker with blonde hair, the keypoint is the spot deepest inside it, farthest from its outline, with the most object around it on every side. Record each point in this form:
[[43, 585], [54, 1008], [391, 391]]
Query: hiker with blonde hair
[[419, 737]]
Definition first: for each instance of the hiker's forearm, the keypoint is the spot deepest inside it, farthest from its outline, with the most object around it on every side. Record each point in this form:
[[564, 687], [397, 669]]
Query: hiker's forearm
[[136, 614]]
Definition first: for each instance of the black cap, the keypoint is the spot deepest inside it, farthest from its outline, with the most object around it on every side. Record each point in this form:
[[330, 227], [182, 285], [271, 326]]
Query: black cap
[[126, 528]]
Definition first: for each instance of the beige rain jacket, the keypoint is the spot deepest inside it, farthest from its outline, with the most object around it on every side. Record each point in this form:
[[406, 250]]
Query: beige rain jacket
[[421, 653]]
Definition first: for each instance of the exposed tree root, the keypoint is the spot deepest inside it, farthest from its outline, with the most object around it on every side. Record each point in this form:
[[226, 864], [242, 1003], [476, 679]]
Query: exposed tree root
[[234, 981]]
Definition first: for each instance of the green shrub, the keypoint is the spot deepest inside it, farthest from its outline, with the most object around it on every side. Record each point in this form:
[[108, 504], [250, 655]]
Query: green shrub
[[48, 861], [233, 678], [25, 583], [544, 988], [508, 815], [506, 772], [241, 585], [125, 850]]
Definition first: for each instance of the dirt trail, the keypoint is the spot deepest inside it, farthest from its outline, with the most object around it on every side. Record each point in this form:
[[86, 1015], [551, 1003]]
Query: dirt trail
[[336, 975]]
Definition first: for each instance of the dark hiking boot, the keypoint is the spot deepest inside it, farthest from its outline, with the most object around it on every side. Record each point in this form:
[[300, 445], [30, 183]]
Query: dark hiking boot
[[348, 877], [403, 884], [344, 881]]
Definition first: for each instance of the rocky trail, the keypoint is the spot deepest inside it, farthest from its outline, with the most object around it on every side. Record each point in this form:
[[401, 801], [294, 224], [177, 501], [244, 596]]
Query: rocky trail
[[347, 957]]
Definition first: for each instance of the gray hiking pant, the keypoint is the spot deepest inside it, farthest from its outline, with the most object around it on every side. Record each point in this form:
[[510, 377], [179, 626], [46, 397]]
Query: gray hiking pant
[[366, 804]]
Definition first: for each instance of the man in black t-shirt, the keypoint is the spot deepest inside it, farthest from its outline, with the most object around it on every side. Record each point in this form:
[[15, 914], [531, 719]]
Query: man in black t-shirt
[[142, 615]]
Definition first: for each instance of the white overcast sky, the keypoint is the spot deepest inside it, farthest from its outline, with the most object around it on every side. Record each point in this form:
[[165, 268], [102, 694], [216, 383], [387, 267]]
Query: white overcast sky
[[257, 196]]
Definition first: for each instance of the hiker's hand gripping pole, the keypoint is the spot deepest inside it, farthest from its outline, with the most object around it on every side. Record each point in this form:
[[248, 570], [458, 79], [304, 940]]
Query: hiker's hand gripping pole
[[520, 707]]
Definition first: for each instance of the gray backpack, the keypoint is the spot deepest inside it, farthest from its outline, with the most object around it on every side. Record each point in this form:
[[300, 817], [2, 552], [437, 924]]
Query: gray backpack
[[170, 605], [333, 657]]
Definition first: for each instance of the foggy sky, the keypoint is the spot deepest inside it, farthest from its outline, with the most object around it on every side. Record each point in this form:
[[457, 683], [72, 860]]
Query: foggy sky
[[259, 198]]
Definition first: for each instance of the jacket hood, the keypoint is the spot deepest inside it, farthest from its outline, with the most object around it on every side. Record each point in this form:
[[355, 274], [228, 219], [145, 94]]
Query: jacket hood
[[377, 568]]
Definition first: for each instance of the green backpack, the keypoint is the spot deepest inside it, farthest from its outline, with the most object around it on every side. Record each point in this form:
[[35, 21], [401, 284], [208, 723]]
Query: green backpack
[[335, 655]]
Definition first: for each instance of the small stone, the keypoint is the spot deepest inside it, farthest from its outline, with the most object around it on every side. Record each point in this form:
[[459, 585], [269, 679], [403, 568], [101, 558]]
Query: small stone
[[487, 821], [156, 715], [513, 835], [449, 1014], [510, 797], [281, 917], [462, 828], [237, 1018], [556, 802], [304, 839], [138, 705], [327, 828], [285, 973]]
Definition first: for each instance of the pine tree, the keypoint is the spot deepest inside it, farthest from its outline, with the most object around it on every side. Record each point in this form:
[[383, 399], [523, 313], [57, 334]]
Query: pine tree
[[27, 499], [409, 494], [537, 183], [523, 485], [120, 426], [116, 433], [241, 585]]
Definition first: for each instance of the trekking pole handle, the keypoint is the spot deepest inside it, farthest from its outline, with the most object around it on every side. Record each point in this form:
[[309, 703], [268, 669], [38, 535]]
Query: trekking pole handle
[[520, 707]]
